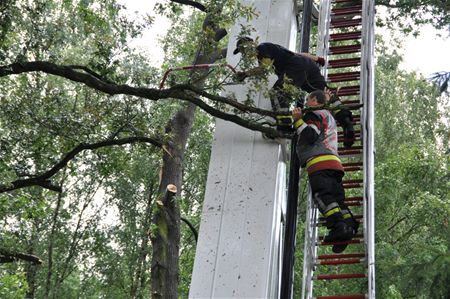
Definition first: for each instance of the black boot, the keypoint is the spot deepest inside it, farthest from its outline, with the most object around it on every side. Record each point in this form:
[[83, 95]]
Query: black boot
[[340, 231], [354, 225], [349, 134], [345, 119]]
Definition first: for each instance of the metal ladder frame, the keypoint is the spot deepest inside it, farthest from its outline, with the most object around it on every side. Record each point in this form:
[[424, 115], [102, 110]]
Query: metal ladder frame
[[366, 97]]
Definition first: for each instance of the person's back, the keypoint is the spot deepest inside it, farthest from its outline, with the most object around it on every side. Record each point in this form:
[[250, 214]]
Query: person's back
[[303, 71], [325, 144]]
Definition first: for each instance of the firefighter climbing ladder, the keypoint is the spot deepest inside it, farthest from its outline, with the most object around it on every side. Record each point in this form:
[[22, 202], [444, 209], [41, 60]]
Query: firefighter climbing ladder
[[347, 41]]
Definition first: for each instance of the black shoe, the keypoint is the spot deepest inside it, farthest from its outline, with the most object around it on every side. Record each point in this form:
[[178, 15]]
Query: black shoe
[[349, 136], [354, 226], [340, 231]]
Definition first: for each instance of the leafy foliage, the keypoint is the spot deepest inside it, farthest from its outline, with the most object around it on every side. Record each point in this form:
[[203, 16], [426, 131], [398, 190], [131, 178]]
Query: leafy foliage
[[411, 14], [412, 189], [94, 236]]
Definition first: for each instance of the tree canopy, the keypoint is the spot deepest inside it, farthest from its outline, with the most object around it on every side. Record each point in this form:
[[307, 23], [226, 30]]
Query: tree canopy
[[89, 145]]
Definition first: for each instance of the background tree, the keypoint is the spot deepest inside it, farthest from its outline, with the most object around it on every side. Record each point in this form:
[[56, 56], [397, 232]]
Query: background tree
[[85, 132]]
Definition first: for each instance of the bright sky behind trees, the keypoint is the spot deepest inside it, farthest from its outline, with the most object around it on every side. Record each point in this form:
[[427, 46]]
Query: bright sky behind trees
[[427, 53]]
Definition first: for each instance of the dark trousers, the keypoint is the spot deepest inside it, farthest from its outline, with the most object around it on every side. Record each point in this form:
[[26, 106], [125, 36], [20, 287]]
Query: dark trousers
[[326, 187], [279, 99]]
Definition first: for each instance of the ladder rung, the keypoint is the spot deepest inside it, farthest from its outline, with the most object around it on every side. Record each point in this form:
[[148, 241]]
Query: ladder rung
[[356, 241], [346, 1], [346, 10], [357, 138], [341, 139], [355, 236], [352, 164], [323, 223], [339, 23], [353, 204], [354, 198], [345, 36], [352, 181], [353, 168], [356, 122], [343, 297], [342, 77], [340, 256], [340, 262], [356, 217], [357, 133], [340, 276], [347, 90], [350, 148], [350, 152], [354, 107], [345, 49], [350, 102], [346, 62], [352, 185]]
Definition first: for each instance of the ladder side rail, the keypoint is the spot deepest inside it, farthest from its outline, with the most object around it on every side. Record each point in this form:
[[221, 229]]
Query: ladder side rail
[[287, 275], [309, 250], [367, 122], [311, 228], [324, 34]]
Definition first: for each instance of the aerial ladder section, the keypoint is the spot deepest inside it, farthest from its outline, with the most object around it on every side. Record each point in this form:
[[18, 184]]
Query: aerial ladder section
[[346, 40], [240, 241], [241, 251]]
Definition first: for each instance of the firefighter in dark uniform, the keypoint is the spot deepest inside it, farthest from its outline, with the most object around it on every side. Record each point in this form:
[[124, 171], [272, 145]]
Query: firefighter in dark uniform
[[300, 70], [317, 152]]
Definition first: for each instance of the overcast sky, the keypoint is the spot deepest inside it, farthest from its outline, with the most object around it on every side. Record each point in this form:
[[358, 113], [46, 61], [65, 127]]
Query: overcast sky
[[427, 53]]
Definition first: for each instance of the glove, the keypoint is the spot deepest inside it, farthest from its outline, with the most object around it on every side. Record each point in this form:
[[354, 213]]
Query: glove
[[320, 60]]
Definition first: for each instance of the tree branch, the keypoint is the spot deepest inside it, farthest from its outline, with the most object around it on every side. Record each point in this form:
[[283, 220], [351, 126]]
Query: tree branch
[[388, 4], [178, 92], [191, 227], [396, 223], [43, 180], [9, 257], [191, 3]]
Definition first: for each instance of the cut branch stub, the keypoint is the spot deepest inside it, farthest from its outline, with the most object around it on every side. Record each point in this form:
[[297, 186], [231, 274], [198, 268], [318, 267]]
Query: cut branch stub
[[172, 189]]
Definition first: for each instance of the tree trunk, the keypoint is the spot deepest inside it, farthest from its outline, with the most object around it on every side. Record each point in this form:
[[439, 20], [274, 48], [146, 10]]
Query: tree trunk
[[30, 268], [166, 217], [50, 246], [139, 274], [166, 237]]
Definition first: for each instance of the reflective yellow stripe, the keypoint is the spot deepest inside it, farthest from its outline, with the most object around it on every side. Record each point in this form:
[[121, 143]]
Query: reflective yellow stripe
[[284, 116], [331, 212], [321, 159], [337, 110], [346, 216], [298, 123]]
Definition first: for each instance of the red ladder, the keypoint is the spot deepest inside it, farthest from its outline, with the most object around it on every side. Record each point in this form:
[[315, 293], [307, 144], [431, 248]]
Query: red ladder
[[346, 42]]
